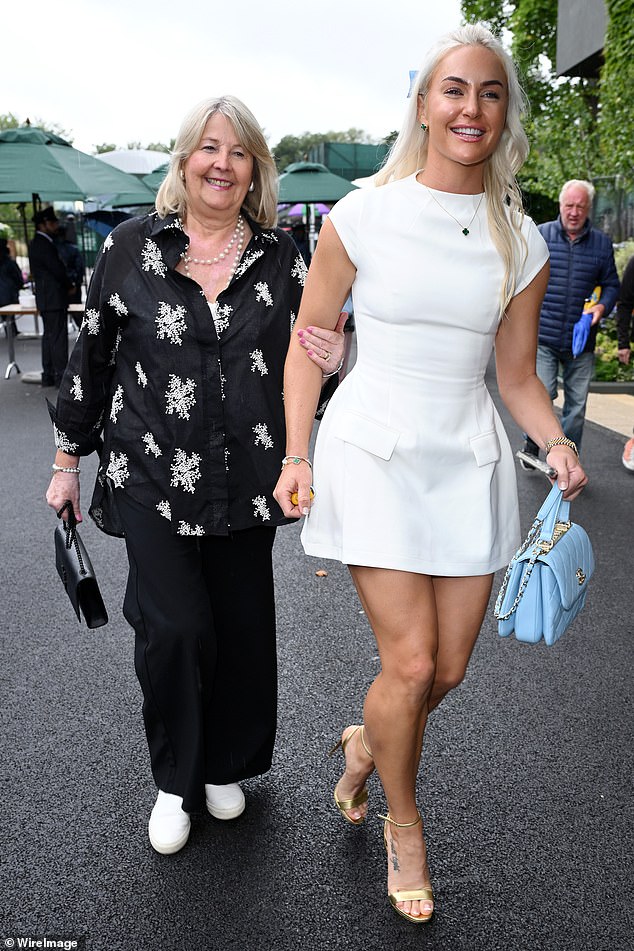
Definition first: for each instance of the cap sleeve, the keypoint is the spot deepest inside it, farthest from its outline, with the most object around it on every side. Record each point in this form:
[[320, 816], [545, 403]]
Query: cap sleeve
[[346, 216], [536, 256]]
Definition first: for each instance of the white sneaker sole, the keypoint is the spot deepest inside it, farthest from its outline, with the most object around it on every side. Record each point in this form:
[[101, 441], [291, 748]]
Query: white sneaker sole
[[226, 812], [169, 848]]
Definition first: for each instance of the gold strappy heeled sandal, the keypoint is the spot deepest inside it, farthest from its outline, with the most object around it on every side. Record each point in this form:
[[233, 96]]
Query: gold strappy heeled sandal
[[416, 894], [344, 804]]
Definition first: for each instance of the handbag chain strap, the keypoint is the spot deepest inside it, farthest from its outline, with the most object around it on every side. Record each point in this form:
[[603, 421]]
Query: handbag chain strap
[[71, 535], [530, 539]]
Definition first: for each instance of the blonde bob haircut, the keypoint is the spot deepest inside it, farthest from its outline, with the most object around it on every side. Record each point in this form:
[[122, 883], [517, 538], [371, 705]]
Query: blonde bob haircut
[[504, 200], [261, 203]]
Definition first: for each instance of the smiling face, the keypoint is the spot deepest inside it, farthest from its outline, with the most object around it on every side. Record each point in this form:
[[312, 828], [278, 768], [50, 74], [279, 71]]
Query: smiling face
[[465, 109], [218, 173]]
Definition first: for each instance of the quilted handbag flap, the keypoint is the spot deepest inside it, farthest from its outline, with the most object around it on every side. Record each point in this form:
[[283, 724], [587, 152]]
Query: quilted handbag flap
[[572, 562]]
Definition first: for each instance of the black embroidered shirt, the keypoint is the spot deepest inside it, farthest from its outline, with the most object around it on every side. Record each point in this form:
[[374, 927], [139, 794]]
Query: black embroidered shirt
[[182, 398]]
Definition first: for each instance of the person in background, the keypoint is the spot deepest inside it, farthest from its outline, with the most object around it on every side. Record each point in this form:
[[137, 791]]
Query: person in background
[[414, 479], [300, 238], [74, 264], [11, 282], [581, 258], [52, 285], [176, 380], [625, 335]]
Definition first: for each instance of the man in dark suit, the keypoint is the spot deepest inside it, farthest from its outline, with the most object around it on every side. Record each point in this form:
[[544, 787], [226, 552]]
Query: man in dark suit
[[51, 296]]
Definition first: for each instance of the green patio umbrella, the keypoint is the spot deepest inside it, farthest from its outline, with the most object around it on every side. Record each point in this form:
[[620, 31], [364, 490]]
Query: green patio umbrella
[[39, 165], [154, 179], [310, 182]]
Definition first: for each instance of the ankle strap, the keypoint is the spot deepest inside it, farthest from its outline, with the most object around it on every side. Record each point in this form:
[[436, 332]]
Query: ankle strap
[[363, 743], [401, 825]]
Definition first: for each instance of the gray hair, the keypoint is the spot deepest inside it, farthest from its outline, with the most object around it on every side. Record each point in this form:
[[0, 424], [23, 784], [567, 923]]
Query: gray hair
[[261, 203], [578, 183], [409, 152]]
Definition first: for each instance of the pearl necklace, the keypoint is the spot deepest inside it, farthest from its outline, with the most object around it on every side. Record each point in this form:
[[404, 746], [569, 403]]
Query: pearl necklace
[[465, 230], [238, 235]]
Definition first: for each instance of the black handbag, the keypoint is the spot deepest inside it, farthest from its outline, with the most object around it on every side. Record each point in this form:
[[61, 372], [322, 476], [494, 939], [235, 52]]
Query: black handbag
[[76, 571]]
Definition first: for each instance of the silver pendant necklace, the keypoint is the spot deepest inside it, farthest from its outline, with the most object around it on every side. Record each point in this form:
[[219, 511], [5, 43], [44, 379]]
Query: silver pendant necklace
[[463, 228]]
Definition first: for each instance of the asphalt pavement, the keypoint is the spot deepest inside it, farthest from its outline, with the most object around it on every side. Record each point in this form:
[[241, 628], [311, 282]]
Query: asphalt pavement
[[525, 786]]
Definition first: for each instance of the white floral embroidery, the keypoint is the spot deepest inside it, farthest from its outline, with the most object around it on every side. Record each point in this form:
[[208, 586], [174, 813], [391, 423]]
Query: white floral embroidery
[[108, 243], [227, 454], [117, 403], [141, 377], [170, 322], [91, 321], [293, 319], [223, 380], [270, 236], [152, 259], [76, 389], [262, 292], [176, 223], [63, 442], [118, 469], [185, 470], [184, 528], [258, 362], [151, 445], [262, 436], [299, 270], [179, 396], [260, 508], [221, 314], [117, 304], [165, 509], [247, 261]]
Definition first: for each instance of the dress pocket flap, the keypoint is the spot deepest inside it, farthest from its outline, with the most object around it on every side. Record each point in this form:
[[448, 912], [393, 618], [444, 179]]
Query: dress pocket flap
[[486, 447], [366, 434]]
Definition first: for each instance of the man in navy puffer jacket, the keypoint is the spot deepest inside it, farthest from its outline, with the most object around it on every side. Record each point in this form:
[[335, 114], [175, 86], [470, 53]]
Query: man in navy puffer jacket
[[581, 257]]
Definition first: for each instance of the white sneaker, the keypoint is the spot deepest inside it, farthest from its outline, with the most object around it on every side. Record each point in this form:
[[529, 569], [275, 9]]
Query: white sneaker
[[169, 825], [224, 802], [628, 455]]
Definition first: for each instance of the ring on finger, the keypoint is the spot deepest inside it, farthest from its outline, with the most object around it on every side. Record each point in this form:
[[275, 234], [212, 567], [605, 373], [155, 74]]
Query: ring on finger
[[327, 355]]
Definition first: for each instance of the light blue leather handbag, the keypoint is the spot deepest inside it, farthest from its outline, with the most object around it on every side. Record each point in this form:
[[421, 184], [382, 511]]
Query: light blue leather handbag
[[546, 582]]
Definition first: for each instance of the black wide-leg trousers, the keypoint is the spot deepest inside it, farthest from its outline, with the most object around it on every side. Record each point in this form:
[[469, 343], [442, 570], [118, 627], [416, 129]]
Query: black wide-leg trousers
[[203, 613]]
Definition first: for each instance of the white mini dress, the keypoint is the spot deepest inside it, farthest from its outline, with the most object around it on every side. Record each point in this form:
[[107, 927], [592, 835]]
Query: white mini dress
[[412, 469]]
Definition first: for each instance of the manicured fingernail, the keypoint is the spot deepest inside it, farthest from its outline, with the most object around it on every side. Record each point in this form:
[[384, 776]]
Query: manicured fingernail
[[300, 333], [304, 511], [310, 330], [563, 485], [309, 352]]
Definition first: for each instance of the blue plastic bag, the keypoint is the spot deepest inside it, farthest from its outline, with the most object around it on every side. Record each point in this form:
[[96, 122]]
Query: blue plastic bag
[[580, 333]]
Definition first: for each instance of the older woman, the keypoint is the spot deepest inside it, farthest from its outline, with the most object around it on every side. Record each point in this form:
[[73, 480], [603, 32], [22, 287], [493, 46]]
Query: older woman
[[414, 477], [179, 368]]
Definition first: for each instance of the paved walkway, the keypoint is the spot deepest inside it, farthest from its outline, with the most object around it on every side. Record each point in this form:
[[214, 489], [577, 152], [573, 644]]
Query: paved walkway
[[525, 785]]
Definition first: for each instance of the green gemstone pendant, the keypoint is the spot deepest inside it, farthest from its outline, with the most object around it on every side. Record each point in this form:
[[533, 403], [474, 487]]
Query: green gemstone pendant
[[465, 231]]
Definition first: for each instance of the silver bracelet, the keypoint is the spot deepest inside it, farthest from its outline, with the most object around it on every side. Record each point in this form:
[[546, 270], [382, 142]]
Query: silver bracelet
[[75, 470], [296, 461], [326, 376]]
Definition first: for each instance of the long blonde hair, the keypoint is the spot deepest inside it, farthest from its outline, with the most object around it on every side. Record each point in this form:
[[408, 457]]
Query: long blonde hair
[[261, 203], [504, 200]]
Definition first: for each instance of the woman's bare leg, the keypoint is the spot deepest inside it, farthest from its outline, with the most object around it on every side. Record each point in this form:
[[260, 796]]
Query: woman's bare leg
[[412, 617]]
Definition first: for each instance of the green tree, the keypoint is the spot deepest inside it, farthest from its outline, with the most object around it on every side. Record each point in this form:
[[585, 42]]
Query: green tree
[[578, 127]]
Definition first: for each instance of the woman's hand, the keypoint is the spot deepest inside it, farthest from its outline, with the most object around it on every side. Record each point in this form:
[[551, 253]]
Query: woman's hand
[[325, 347], [64, 485], [294, 478], [570, 475]]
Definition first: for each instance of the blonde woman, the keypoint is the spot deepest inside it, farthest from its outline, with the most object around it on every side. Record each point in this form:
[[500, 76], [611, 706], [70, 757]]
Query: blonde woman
[[413, 474], [176, 380]]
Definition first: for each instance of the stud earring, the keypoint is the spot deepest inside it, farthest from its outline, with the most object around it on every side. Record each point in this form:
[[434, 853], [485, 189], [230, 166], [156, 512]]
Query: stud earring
[[182, 175], [251, 186], [423, 127]]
